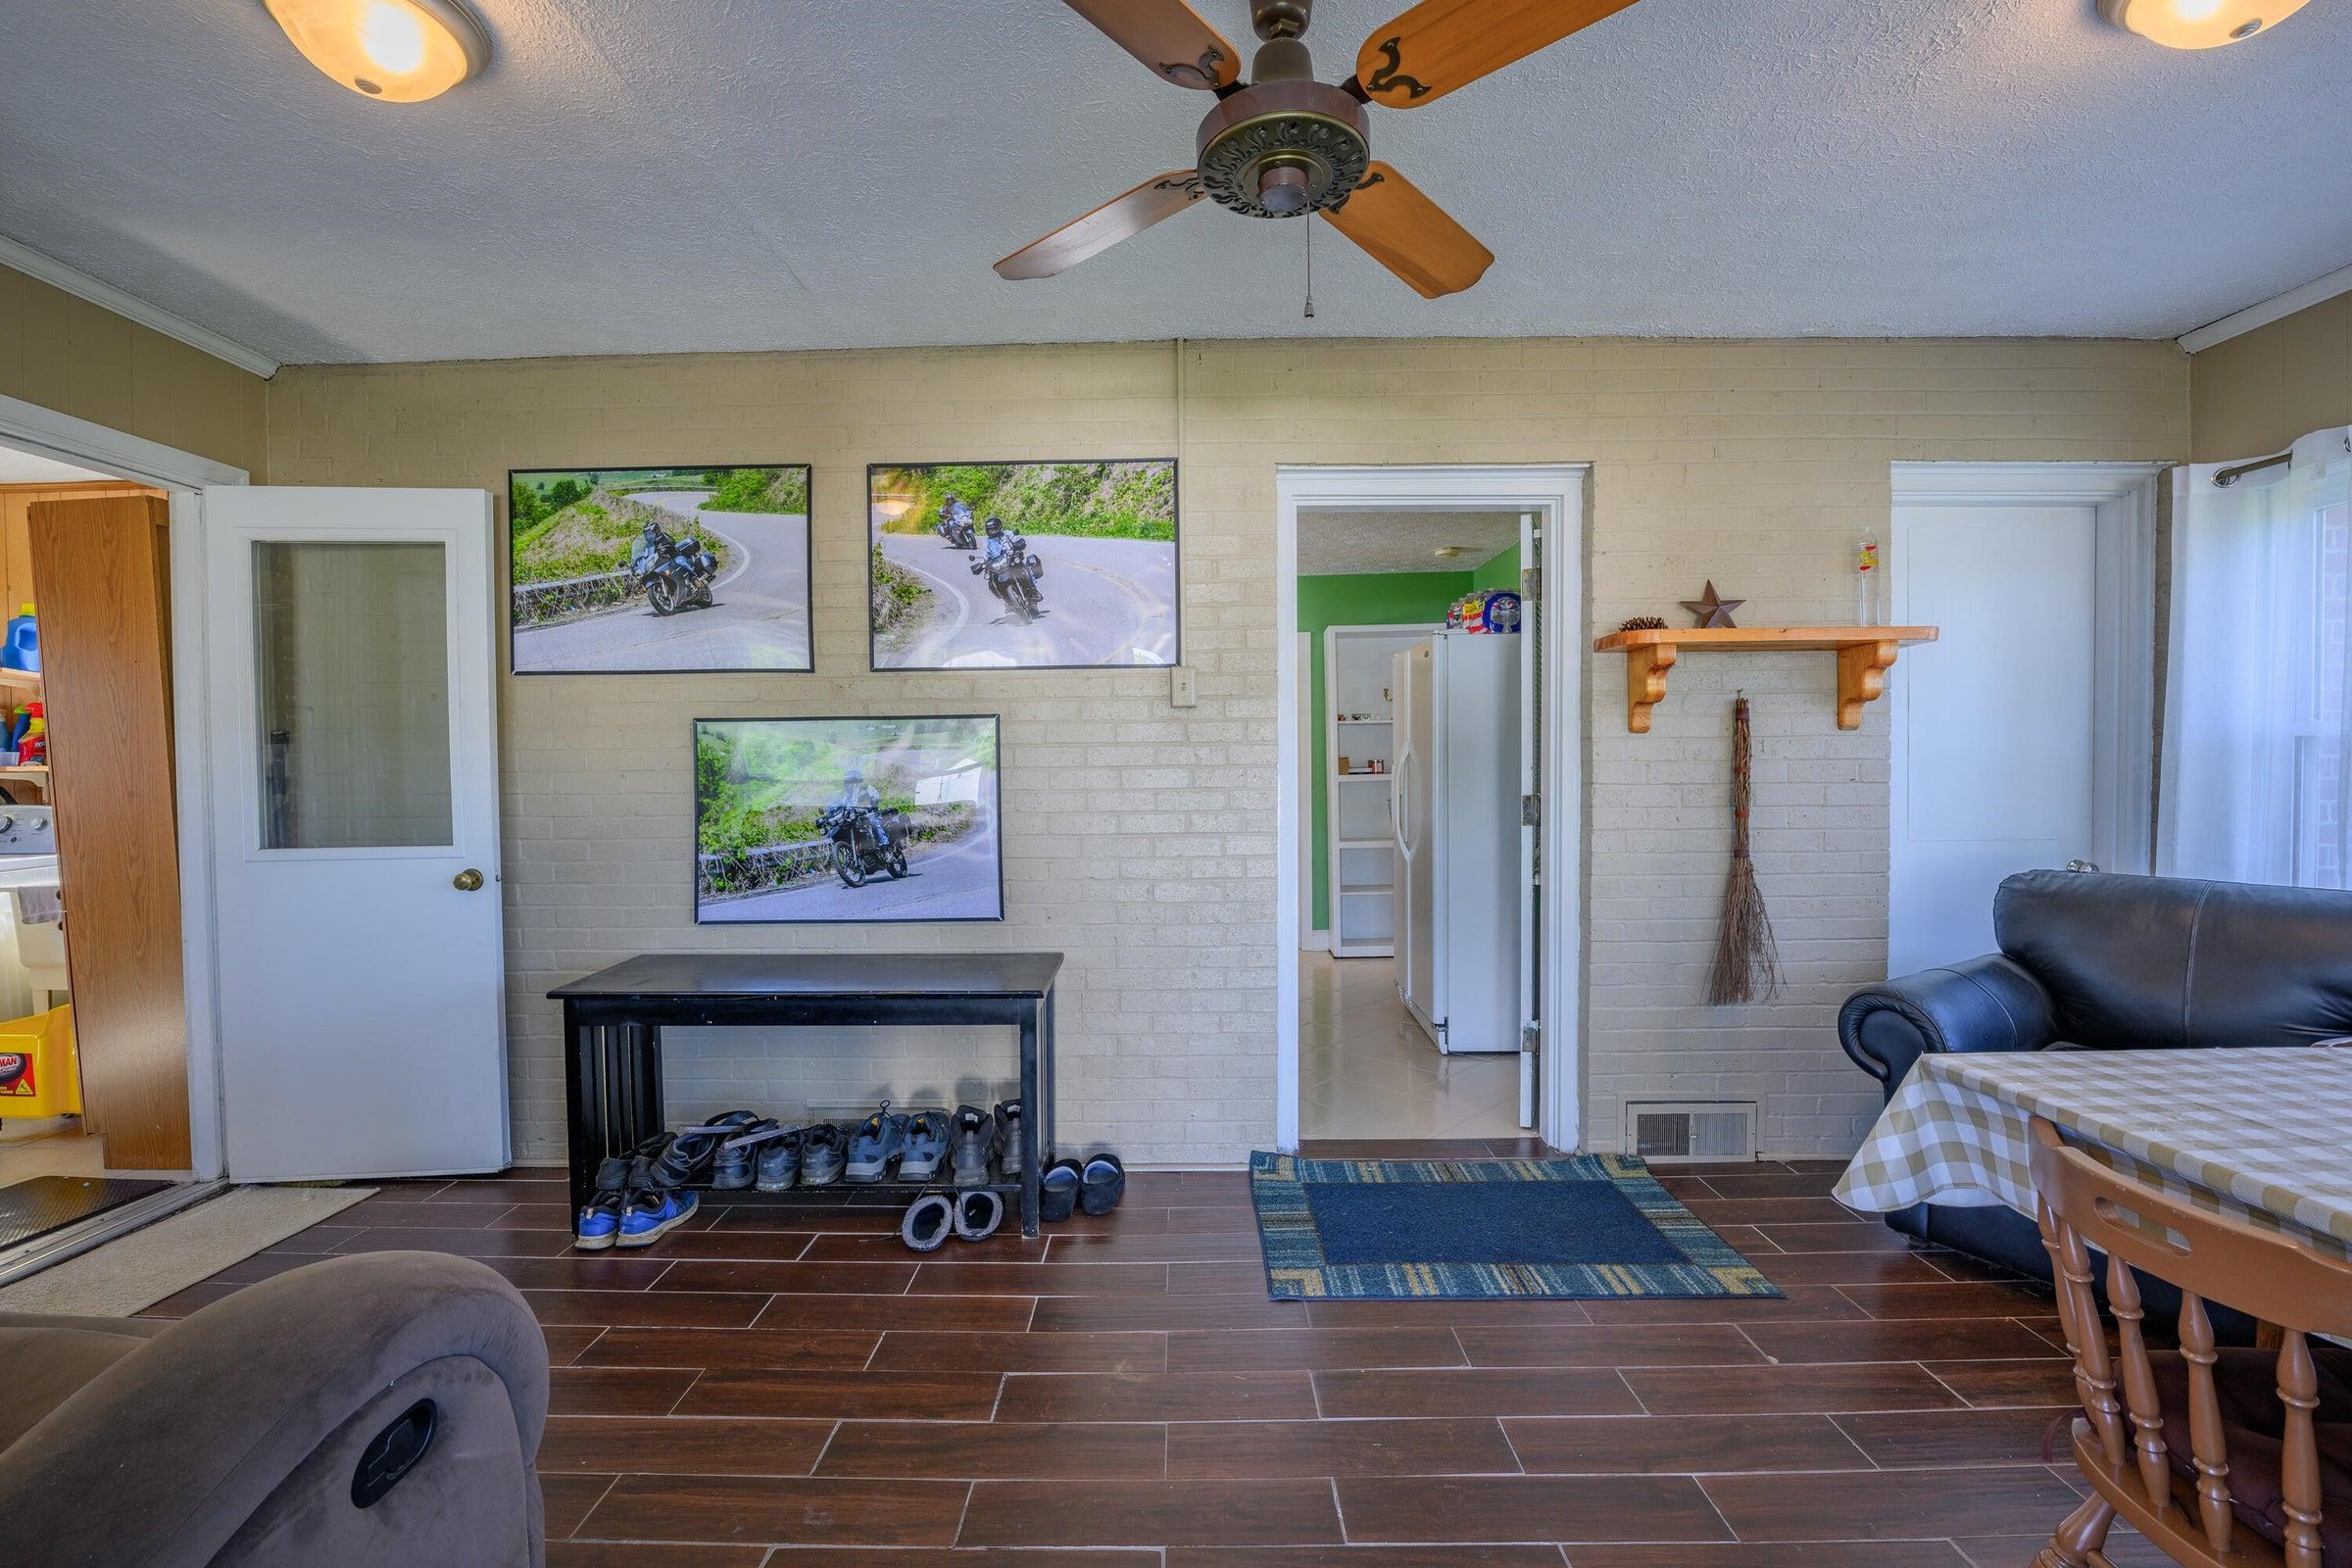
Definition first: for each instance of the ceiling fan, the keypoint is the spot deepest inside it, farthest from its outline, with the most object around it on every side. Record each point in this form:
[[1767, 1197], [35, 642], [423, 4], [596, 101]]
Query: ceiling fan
[[1286, 145]]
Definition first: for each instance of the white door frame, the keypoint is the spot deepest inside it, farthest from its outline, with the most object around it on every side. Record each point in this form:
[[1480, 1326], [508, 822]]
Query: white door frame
[[1554, 492], [118, 454], [2123, 675]]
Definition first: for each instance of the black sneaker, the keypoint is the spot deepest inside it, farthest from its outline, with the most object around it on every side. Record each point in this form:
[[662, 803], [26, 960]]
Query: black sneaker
[[824, 1151], [971, 1145], [1008, 1137], [779, 1155], [599, 1223], [732, 1168]]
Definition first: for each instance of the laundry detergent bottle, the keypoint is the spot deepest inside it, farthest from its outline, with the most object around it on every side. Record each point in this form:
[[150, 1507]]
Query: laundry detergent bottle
[[22, 648]]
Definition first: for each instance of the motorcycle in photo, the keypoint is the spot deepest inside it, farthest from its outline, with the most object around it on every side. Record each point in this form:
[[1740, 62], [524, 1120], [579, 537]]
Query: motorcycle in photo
[[1012, 574], [675, 574], [858, 850], [956, 526]]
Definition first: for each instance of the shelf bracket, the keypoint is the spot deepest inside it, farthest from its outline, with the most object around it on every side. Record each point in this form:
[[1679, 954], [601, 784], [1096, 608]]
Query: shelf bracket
[[1862, 678], [1645, 668]]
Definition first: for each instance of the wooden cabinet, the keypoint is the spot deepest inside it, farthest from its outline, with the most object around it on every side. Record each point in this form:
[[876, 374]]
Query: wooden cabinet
[[101, 577]]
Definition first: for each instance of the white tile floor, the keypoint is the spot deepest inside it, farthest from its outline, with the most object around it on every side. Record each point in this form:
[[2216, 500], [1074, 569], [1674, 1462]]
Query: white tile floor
[[55, 1147], [1366, 1070]]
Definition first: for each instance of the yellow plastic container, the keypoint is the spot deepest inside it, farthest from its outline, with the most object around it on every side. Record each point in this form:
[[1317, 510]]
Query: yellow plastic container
[[40, 1072]]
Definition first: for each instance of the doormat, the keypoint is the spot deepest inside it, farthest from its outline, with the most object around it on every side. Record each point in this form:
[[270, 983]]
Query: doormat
[[1587, 1227], [45, 1203], [131, 1273]]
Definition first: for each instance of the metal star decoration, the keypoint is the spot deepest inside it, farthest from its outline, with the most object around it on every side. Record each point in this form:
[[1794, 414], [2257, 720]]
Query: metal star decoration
[[1712, 608]]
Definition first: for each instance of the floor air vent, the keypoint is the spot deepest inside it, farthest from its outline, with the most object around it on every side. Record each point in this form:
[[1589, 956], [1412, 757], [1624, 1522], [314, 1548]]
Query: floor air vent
[[1691, 1130]]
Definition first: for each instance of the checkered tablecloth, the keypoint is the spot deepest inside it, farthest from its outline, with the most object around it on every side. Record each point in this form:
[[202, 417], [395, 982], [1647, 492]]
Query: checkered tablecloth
[[2265, 1135]]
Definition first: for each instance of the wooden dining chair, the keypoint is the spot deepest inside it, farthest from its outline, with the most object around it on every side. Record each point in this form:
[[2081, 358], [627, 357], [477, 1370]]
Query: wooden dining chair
[[2224, 1459]]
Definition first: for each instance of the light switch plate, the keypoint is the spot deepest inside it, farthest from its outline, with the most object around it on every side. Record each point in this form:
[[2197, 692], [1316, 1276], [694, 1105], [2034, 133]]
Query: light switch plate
[[1180, 686]]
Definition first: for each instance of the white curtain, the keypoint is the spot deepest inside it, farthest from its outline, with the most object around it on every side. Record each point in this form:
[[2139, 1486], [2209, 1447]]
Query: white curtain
[[2257, 733]]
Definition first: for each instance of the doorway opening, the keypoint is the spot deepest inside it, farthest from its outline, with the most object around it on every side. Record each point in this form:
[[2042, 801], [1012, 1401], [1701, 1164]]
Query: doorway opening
[[1428, 765], [97, 1112]]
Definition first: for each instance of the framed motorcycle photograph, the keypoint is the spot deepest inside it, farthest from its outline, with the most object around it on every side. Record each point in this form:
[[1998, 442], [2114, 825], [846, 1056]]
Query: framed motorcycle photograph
[[662, 571], [1023, 565], [847, 821]]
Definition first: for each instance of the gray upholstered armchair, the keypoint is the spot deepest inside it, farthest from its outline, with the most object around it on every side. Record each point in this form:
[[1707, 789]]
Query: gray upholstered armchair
[[368, 1411]]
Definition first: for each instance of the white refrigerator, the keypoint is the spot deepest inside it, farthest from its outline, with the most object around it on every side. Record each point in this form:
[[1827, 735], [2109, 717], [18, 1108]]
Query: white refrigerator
[[1457, 746]]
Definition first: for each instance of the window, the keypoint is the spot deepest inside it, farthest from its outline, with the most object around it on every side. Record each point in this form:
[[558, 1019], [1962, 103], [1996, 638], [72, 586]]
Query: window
[[2257, 742]]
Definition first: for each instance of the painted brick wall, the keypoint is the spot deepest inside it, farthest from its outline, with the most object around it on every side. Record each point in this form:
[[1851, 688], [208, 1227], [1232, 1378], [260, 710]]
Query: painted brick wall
[[64, 353], [1140, 838]]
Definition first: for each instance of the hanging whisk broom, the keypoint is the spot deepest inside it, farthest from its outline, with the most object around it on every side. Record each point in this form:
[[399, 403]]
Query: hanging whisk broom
[[1747, 963]]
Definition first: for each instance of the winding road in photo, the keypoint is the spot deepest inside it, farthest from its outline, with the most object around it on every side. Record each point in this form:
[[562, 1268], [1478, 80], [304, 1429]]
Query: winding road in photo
[[1106, 602], [957, 881], [758, 619]]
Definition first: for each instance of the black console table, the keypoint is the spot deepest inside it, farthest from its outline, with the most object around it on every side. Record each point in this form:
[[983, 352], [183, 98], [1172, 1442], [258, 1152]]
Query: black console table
[[612, 1022]]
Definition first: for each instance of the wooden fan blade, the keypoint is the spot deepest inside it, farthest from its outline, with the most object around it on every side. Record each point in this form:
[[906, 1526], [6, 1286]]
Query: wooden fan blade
[[1443, 44], [1409, 234], [1120, 217], [1169, 38]]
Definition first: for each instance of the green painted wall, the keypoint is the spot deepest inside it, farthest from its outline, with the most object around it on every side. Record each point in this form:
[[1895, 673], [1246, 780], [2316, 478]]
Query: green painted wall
[[1370, 599], [1500, 572]]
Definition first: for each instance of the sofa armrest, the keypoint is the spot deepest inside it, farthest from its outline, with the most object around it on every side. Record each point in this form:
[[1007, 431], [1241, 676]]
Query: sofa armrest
[[159, 1459], [1987, 1004]]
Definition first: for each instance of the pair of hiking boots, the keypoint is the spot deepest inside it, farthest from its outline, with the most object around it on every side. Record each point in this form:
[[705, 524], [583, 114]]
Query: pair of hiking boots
[[973, 1144]]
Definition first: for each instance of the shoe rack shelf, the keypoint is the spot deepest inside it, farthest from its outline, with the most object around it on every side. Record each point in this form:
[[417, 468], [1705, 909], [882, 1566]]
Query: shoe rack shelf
[[1864, 655], [845, 1194], [612, 1024]]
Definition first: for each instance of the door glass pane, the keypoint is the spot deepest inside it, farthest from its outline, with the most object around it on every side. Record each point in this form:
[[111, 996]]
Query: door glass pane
[[352, 674]]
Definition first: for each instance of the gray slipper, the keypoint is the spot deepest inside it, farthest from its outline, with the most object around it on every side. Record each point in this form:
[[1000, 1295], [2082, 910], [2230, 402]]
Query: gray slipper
[[930, 1220], [978, 1213]]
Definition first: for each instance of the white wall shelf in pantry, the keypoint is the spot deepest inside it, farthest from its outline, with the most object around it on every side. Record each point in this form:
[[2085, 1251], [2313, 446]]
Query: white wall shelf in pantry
[[1361, 863]]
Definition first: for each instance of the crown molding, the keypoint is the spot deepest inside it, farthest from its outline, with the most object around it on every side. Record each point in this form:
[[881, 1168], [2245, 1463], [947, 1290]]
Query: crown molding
[[57, 274], [2317, 291]]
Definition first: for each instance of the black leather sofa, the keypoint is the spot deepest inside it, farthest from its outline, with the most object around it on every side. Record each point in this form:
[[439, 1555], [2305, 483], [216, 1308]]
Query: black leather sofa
[[2096, 962]]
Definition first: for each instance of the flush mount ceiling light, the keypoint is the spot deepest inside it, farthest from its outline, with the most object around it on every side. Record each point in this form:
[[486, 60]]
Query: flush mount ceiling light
[[399, 50], [2197, 23]]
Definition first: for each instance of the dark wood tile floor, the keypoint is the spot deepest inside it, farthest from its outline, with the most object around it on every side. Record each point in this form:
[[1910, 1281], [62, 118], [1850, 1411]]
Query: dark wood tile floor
[[789, 1388]]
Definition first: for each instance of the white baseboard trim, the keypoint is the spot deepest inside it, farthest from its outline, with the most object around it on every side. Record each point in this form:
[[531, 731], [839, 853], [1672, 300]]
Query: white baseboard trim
[[1316, 941]]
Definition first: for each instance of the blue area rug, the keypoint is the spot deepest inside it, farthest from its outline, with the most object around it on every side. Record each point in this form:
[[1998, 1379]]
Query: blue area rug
[[1584, 1227]]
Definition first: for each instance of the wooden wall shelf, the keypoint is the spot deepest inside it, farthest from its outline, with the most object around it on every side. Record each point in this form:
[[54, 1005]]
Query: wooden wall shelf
[[1864, 655]]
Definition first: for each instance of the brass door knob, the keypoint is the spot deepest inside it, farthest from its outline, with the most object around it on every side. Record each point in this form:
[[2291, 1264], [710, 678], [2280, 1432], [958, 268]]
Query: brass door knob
[[467, 880]]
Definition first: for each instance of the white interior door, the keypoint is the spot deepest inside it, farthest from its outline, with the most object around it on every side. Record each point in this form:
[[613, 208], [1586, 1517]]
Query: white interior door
[[355, 831], [1531, 791], [1994, 729]]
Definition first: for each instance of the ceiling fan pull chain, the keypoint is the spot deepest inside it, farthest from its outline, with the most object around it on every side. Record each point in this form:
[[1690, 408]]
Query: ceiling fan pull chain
[[1310, 268]]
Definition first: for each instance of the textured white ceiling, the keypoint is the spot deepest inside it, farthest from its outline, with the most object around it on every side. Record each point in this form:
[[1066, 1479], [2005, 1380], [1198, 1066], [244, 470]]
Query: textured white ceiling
[[660, 174], [24, 468], [1347, 543]]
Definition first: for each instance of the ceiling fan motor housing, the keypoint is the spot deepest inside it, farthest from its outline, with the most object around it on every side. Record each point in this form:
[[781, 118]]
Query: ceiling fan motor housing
[[1283, 148]]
